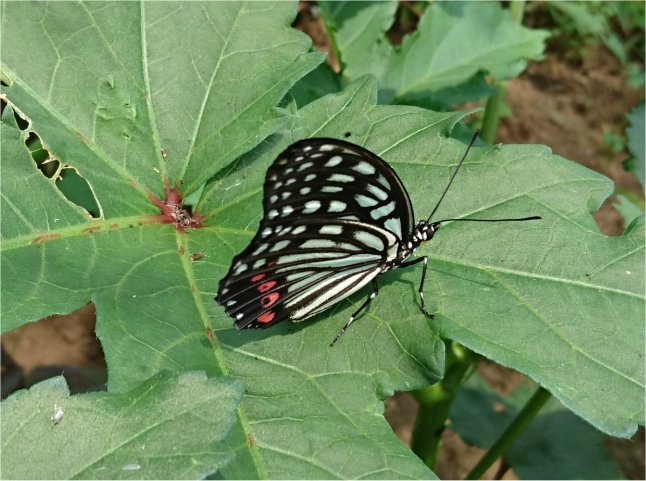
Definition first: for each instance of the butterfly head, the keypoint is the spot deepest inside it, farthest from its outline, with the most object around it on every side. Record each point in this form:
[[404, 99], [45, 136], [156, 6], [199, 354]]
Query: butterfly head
[[424, 231]]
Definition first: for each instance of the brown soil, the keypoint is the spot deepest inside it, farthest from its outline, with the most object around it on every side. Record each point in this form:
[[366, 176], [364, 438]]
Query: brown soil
[[567, 107]]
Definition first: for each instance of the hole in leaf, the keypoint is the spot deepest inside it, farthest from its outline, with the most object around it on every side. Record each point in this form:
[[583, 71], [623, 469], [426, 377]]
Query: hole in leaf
[[56, 345], [71, 184], [77, 190], [45, 162]]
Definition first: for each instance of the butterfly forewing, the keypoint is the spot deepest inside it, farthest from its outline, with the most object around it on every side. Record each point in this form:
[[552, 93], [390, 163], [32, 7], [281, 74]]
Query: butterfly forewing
[[334, 215], [327, 178]]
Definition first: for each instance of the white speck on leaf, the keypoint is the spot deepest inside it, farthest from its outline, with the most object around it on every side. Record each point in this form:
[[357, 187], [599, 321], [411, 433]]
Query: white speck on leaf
[[628, 273], [58, 414], [131, 467]]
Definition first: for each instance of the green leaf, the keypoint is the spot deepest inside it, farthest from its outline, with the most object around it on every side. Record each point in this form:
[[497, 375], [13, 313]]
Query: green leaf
[[453, 42], [554, 299], [628, 209], [635, 134], [131, 93], [316, 84], [556, 445], [585, 21], [357, 31], [310, 411], [169, 427]]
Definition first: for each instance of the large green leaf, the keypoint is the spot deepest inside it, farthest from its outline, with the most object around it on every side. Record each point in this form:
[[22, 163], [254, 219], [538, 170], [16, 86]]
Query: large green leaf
[[554, 299], [453, 42], [308, 410], [170, 427]]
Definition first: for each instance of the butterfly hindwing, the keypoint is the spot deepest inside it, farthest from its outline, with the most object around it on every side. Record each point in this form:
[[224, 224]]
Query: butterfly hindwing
[[302, 270]]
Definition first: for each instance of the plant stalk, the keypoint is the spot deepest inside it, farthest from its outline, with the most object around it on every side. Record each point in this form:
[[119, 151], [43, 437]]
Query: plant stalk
[[511, 433], [494, 105], [435, 402]]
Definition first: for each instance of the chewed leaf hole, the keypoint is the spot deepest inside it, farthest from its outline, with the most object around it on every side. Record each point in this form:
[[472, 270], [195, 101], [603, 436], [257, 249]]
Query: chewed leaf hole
[[68, 181], [77, 190], [46, 163]]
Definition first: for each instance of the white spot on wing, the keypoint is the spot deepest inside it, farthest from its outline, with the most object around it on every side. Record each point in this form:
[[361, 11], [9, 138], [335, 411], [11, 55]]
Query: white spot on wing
[[394, 225], [341, 178], [331, 189], [272, 213], [310, 177], [261, 248], [305, 165], [365, 201], [382, 211], [305, 190], [241, 268], [331, 229], [334, 161], [311, 206], [318, 244], [326, 147], [299, 230], [287, 210], [370, 240], [382, 180], [279, 246], [337, 206], [364, 168], [376, 191]]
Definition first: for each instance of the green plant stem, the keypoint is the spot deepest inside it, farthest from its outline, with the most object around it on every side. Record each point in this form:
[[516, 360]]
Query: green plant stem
[[511, 433], [435, 402], [492, 113], [495, 102], [517, 10]]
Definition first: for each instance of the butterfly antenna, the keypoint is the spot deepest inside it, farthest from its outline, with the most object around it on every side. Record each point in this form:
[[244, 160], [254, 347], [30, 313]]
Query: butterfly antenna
[[515, 219], [473, 139]]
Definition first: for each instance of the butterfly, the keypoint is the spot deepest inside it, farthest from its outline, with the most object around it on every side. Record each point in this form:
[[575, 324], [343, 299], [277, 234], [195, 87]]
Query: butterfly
[[335, 217]]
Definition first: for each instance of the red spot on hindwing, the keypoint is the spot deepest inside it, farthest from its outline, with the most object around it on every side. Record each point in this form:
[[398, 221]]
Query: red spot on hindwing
[[269, 299], [257, 277], [266, 317], [265, 286]]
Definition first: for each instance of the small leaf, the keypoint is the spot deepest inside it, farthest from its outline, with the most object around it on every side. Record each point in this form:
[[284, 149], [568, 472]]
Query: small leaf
[[453, 42], [168, 427], [628, 209]]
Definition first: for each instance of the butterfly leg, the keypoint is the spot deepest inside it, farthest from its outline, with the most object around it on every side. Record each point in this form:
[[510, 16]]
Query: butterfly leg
[[421, 283], [373, 294]]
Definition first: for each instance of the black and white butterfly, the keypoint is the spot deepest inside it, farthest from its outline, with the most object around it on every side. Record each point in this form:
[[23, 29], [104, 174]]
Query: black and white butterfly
[[335, 217]]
